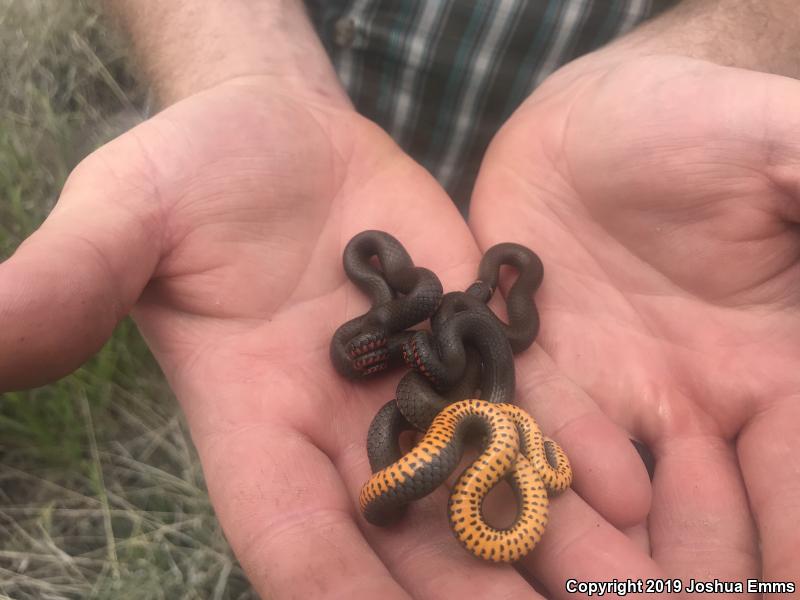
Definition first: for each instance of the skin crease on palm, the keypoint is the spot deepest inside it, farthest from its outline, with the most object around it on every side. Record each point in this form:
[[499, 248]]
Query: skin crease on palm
[[662, 194]]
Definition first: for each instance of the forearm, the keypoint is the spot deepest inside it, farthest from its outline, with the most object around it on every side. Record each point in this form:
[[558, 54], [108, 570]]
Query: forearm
[[185, 46], [763, 35]]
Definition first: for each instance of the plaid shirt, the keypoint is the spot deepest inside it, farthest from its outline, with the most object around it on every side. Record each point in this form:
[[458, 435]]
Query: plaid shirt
[[441, 76]]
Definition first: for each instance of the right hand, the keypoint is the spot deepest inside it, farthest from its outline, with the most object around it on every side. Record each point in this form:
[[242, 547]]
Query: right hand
[[663, 194]]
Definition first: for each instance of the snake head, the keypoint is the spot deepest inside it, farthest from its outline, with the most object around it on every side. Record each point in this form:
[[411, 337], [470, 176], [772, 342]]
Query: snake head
[[481, 290]]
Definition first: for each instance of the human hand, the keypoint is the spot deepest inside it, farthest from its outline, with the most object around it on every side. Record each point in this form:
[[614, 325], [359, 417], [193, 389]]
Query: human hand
[[662, 194], [220, 223]]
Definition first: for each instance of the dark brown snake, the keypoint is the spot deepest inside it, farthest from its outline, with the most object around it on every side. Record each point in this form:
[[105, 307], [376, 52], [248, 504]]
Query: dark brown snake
[[401, 294]]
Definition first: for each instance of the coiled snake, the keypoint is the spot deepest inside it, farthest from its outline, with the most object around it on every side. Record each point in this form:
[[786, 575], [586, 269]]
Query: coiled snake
[[402, 295]]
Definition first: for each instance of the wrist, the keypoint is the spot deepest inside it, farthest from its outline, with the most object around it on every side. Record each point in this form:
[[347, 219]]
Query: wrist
[[760, 35], [184, 47]]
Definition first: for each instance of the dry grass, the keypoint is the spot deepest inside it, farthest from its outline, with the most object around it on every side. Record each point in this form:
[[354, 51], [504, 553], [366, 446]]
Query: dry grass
[[101, 495]]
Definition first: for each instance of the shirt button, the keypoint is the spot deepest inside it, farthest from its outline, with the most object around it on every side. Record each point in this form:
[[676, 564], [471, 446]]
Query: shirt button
[[344, 32]]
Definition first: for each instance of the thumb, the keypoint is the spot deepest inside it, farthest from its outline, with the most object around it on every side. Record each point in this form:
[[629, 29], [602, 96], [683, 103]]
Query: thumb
[[67, 286]]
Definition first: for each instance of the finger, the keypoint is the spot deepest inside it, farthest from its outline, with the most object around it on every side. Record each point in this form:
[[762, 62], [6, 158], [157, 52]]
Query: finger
[[769, 454], [580, 545], [68, 285], [287, 514], [700, 523], [608, 472]]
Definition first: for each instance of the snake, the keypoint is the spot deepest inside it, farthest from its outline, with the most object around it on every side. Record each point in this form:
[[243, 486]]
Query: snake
[[513, 449], [401, 294]]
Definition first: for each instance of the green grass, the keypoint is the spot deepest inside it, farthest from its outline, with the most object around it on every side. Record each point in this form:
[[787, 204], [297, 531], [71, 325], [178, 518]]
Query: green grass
[[101, 494]]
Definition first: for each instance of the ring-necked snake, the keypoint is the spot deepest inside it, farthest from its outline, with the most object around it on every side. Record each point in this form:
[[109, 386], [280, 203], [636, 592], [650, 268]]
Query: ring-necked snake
[[401, 294], [514, 448]]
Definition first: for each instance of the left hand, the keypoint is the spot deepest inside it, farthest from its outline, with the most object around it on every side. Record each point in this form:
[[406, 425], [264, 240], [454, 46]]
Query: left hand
[[663, 195]]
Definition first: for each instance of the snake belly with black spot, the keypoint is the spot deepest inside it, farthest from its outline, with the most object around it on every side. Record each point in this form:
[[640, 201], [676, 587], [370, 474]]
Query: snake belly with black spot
[[401, 295], [510, 450]]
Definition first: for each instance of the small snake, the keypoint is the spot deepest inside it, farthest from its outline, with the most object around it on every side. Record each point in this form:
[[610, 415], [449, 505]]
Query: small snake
[[401, 294], [514, 448]]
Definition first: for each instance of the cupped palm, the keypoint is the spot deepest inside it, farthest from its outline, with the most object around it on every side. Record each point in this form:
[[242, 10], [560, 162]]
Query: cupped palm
[[664, 197]]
